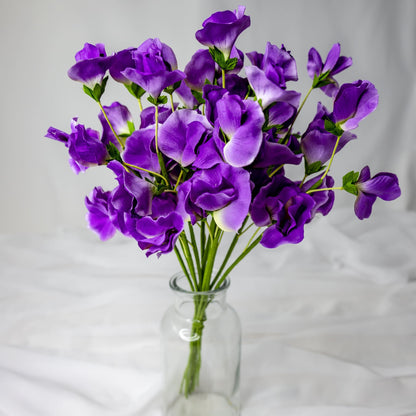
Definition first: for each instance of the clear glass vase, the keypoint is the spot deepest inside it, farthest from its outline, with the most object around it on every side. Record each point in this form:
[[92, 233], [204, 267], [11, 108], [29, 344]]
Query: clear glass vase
[[201, 344]]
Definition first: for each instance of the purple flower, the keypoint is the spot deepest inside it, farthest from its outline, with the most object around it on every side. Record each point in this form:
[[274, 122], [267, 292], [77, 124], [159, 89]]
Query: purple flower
[[223, 190], [383, 185], [133, 194], [324, 200], [273, 153], [121, 61], [284, 209], [236, 85], [98, 216], [354, 102], [211, 94], [156, 235], [155, 67], [158, 231], [221, 29], [277, 63], [140, 150], [185, 95], [182, 136], [317, 143], [323, 74], [119, 117], [241, 122], [200, 68], [84, 146], [91, 65], [280, 114], [267, 91]]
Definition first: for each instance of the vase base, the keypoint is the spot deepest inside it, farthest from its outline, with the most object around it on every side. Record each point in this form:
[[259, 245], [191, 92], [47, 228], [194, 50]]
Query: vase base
[[203, 404]]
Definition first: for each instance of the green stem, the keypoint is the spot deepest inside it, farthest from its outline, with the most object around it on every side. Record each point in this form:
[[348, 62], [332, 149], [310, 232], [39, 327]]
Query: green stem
[[335, 188], [140, 104], [183, 266], [188, 257], [223, 77], [297, 114], [146, 170], [229, 251], [332, 158], [110, 125], [171, 103], [237, 260], [275, 171], [195, 250], [217, 234]]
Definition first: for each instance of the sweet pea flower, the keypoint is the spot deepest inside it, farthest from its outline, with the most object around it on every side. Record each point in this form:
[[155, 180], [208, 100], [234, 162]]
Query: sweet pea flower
[[84, 146], [324, 200], [157, 232], [155, 67], [185, 137], [277, 63], [383, 185], [119, 116], [122, 60], [317, 143], [273, 153], [140, 151], [267, 92], [200, 68], [133, 194], [223, 190], [98, 216], [221, 29], [284, 209], [334, 64], [91, 65], [185, 95], [241, 121], [211, 94], [156, 236], [354, 102]]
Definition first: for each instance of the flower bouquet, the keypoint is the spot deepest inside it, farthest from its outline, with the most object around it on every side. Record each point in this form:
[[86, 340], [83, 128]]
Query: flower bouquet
[[208, 154]]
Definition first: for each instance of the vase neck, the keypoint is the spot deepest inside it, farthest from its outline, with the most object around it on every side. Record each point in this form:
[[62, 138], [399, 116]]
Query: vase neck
[[185, 299]]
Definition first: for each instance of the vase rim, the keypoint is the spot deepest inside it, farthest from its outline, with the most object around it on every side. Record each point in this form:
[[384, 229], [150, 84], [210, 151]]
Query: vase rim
[[173, 284]]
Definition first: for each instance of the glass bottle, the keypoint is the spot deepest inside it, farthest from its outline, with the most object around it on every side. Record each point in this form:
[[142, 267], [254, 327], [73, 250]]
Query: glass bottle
[[201, 344]]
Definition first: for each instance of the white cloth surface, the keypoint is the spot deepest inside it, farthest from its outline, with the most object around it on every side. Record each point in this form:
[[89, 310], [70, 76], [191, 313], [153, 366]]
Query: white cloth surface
[[329, 325]]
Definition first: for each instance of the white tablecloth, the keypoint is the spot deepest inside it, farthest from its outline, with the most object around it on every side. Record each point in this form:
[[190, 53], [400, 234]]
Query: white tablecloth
[[329, 325]]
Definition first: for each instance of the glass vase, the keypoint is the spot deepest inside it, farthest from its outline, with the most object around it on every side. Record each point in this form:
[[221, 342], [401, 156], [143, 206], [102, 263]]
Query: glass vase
[[201, 344]]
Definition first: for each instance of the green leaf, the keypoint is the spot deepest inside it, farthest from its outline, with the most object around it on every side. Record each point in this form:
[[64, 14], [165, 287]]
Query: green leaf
[[162, 99], [333, 128], [198, 96], [171, 89], [314, 167], [131, 126], [349, 180], [114, 152], [89, 92], [322, 80], [218, 57], [230, 64], [136, 90]]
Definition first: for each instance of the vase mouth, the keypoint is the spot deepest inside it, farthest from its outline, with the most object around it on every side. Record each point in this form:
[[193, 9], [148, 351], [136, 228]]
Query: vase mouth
[[177, 284]]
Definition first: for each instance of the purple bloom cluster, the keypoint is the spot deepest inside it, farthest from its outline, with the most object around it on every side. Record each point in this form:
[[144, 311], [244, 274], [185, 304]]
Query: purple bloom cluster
[[216, 157]]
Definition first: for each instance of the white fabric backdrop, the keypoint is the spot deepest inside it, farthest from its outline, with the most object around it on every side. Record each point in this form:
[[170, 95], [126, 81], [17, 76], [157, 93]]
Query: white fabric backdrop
[[329, 325]]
